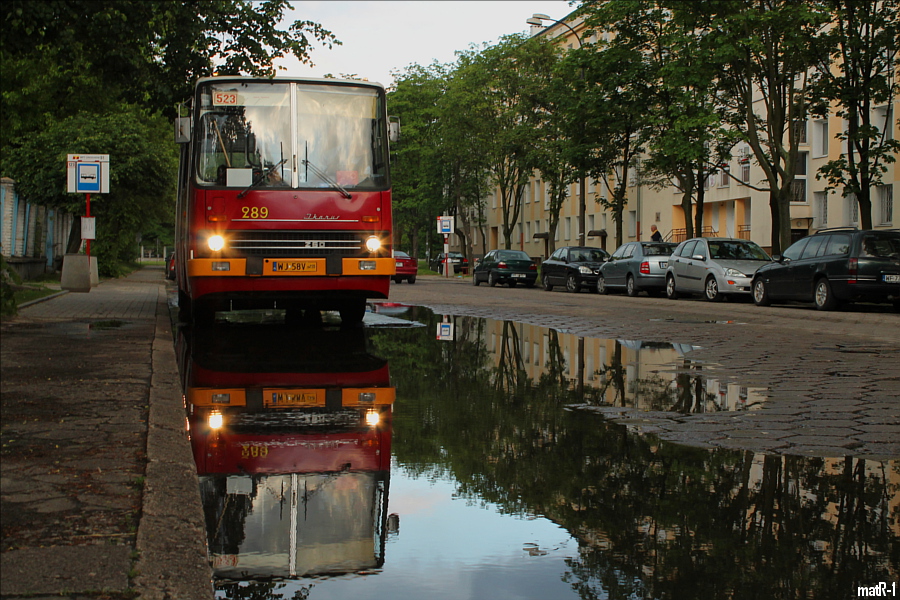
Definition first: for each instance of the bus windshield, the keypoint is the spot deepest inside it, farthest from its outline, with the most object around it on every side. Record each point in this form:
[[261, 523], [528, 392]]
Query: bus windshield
[[262, 134]]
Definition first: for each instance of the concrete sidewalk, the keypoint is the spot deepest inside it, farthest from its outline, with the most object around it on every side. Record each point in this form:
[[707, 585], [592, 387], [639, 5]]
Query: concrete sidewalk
[[98, 490]]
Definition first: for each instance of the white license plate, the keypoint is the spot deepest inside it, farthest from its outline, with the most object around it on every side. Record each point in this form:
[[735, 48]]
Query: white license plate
[[892, 278], [663, 265], [398, 265], [518, 275]]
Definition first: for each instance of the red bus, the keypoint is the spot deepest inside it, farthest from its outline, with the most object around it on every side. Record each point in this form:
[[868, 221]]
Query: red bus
[[284, 197], [292, 444]]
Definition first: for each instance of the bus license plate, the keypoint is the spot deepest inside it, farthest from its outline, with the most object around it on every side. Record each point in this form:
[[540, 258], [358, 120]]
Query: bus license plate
[[892, 278], [295, 266]]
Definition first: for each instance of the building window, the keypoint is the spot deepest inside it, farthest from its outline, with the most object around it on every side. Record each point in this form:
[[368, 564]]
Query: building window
[[632, 223], [882, 120], [528, 231], [798, 187], [800, 132], [852, 209], [886, 203], [820, 138], [568, 228], [725, 180], [820, 209]]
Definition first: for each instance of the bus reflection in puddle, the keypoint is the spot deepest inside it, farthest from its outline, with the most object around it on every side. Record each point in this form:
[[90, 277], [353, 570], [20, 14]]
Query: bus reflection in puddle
[[291, 435]]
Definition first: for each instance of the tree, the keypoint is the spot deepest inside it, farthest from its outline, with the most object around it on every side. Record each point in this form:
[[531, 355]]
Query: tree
[[143, 167], [511, 85], [606, 117], [767, 50], [89, 76], [857, 73], [417, 170]]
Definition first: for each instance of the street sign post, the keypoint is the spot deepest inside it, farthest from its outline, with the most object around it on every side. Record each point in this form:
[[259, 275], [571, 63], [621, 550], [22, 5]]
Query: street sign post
[[86, 174], [445, 228]]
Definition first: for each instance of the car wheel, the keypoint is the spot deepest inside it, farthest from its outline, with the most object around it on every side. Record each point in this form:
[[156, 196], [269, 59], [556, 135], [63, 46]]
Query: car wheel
[[492, 279], [711, 290], [760, 293], [546, 283], [398, 280], [572, 284], [824, 297], [671, 292], [630, 287], [601, 285], [412, 279], [475, 279]]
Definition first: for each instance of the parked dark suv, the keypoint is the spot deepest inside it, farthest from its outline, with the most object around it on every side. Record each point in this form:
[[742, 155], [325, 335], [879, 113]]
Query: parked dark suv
[[834, 266]]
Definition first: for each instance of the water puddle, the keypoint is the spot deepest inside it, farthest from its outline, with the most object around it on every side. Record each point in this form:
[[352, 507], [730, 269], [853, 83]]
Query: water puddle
[[448, 457]]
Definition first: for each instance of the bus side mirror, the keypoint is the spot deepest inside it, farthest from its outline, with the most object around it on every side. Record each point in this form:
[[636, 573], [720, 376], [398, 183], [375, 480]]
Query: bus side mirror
[[182, 130], [394, 129]]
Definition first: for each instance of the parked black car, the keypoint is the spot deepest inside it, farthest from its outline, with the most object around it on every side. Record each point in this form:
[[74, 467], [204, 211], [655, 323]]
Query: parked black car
[[459, 262], [573, 266], [832, 267], [636, 267], [505, 266]]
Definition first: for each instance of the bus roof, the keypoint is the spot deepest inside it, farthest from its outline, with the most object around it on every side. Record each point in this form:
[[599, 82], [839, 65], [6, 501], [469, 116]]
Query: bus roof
[[318, 80]]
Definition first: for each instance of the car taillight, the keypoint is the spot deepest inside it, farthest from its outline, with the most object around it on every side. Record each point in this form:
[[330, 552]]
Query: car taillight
[[532, 267], [853, 270], [501, 265], [645, 268]]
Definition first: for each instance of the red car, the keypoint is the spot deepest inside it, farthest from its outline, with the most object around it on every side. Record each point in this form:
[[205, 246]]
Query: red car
[[407, 267]]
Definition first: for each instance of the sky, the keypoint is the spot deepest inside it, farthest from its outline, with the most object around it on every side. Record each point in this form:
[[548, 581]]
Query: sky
[[380, 37]]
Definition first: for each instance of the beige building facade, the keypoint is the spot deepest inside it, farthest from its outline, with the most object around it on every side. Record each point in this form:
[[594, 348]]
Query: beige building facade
[[734, 204]]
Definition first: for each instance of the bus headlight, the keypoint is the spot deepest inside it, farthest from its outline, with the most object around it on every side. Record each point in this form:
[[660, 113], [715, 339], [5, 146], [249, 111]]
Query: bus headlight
[[373, 244], [372, 418], [215, 242], [215, 420]]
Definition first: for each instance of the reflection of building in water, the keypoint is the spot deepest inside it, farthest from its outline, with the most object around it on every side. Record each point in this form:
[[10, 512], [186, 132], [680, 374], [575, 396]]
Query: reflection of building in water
[[642, 375], [292, 444]]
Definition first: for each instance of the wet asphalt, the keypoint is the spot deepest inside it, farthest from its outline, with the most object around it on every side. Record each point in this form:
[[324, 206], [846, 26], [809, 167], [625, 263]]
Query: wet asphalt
[[98, 491]]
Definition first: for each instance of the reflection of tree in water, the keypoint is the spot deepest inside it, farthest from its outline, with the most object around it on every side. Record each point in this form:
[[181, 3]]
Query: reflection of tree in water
[[225, 514], [261, 590], [654, 392], [653, 519]]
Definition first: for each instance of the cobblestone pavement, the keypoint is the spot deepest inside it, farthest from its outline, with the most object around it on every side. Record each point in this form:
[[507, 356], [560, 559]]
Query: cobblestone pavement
[[833, 378], [98, 492]]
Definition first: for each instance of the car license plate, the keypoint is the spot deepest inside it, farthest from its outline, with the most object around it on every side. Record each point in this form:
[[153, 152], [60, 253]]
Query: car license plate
[[297, 266], [892, 278], [399, 265], [518, 275], [663, 265]]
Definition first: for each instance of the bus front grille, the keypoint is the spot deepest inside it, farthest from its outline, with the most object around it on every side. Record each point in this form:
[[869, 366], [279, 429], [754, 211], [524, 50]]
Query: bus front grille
[[304, 244]]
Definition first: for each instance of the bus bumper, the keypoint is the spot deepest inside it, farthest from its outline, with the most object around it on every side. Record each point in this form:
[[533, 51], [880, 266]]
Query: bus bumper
[[290, 267]]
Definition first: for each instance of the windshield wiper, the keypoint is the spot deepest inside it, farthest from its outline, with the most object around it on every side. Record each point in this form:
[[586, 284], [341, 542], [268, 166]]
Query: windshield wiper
[[262, 177], [321, 175]]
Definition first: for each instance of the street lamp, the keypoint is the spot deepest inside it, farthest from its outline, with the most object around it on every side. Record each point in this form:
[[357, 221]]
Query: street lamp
[[538, 19]]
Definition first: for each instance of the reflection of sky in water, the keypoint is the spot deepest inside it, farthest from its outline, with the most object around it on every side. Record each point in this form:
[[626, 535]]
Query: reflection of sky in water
[[451, 549]]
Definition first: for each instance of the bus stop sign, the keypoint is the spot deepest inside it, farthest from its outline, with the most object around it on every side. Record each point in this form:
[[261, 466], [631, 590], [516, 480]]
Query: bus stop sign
[[88, 173]]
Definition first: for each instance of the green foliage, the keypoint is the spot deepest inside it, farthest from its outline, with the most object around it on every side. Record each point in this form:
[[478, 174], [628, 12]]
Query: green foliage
[[143, 167], [856, 73], [82, 76]]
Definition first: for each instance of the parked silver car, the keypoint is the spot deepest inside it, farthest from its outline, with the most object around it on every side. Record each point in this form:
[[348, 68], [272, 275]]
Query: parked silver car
[[636, 267], [714, 267]]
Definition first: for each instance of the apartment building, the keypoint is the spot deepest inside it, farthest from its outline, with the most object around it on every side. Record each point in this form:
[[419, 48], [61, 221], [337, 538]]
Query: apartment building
[[736, 203]]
